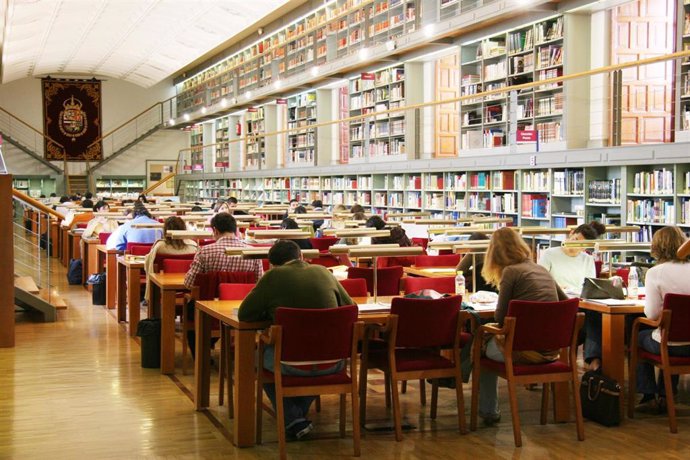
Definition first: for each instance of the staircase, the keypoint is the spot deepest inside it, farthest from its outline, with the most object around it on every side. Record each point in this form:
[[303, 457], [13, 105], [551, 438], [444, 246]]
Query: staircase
[[77, 184], [28, 296]]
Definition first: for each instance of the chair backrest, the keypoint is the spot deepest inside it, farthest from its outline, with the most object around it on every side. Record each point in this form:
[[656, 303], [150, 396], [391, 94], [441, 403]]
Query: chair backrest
[[82, 225], [326, 261], [234, 291], [103, 237], [426, 322], [206, 241], [323, 243], [543, 326], [444, 285], [388, 278], [356, 287], [450, 260], [138, 249], [316, 334], [679, 305], [423, 242], [395, 261], [176, 265], [623, 273], [208, 282], [158, 260], [597, 267]]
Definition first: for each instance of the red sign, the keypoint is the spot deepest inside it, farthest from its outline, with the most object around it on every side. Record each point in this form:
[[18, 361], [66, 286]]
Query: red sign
[[368, 76], [526, 135], [251, 109], [222, 164], [187, 167], [198, 167], [281, 101]]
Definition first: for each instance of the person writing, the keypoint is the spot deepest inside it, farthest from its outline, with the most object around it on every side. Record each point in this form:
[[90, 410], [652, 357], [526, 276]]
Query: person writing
[[296, 284], [508, 265], [670, 275]]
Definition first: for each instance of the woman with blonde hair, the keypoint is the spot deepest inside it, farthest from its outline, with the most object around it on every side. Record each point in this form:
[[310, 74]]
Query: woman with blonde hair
[[508, 265], [669, 275], [169, 246]]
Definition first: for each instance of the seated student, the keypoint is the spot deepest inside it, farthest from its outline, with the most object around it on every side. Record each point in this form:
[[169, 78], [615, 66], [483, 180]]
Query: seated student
[[99, 224], [670, 275], [77, 216], [509, 266], [169, 246], [290, 224], [221, 206], [232, 203], [397, 236], [212, 257], [296, 284], [318, 207], [467, 267], [294, 204], [356, 208], [125, 233], [142, 199]]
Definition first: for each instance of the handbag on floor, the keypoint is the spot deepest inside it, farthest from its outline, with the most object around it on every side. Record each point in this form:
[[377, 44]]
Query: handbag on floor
[[600, 399]]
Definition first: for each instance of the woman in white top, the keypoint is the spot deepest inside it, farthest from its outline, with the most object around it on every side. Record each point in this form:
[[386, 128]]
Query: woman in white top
[[670, 275], [168, 246], [99, 224]]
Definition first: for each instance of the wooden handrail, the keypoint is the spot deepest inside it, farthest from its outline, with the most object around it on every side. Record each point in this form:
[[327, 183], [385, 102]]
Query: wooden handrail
[[421, 105], [36, 204], [159, 183], [32, 128]]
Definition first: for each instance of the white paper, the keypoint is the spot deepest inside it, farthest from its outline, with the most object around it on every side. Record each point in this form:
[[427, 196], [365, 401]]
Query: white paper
[[484, 306], [615, 302], [371, 307]]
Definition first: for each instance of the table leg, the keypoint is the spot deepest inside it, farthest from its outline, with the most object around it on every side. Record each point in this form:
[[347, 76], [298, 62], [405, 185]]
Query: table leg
[[76, 250], [93, 266], [110, 280], [613, 350], [133, 298], [55, 239], [168, 331], [83, 249], [121, 290], [202, 364], [244, 426]]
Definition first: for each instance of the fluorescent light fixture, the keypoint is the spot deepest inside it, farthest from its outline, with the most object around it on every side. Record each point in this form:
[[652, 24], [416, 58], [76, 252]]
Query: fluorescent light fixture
[[224, 102], [171, 122], [315, 71], [363, 54], [248, 95], [429, 30], [186, 117], [203, 110], [277, 84], [390, 45]]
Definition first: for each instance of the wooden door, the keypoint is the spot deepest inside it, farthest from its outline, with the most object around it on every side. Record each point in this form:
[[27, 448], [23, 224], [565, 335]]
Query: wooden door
[[447, 115], [643, 29]]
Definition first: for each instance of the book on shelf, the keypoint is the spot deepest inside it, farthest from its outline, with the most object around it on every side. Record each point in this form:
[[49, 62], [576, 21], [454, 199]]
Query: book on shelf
[[503, 180], [569, 182], [535, 181], [605, 191], [549, 132], [549, 30], [685, 211], [479, 180], [535, 205], [657, 211], [658, 181], [520, 41]]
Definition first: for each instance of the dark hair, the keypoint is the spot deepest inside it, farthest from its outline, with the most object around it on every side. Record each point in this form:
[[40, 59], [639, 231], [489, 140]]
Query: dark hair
[[64, 199], [598, 227], [174, 223], [283, 251], [224, 223], [87, 203], [375, 222], [294, 200], [587, 231], [42, 196], [356, 208], [88, 195], [139, 210], [196, 208], [317, 203], [99, 205], [289, 224], [478, 236], [359, 216], [74, 198], [232, 200], [142, 198], [53, 195], [300, 210]]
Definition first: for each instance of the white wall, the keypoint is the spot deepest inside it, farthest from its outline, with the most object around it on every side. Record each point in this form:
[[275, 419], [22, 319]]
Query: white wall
[[599, 84], [121, 102]]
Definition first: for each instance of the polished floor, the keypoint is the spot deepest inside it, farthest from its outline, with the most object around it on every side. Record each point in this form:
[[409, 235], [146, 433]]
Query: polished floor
[[75, 389]]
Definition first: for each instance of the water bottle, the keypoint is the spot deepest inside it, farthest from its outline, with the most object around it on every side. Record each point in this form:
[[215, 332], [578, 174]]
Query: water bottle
[[633, 283], [459, 284]]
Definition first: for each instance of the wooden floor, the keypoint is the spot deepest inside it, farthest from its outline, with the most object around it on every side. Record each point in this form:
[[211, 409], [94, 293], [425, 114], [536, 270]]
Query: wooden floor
[[75, 389]]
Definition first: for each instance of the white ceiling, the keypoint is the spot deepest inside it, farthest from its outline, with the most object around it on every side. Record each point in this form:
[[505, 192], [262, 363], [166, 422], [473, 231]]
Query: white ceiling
[[140, 41]]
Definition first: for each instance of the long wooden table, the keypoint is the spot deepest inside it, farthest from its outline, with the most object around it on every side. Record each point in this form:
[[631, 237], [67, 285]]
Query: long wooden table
[[164, 286], [108, 257], [129, 291], [430, 272]]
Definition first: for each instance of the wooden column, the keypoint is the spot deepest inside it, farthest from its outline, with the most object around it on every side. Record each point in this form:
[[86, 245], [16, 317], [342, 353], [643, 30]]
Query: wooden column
[[7, 274]]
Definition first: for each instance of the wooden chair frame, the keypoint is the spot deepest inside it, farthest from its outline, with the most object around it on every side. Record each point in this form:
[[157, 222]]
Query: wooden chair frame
[[572, 376]]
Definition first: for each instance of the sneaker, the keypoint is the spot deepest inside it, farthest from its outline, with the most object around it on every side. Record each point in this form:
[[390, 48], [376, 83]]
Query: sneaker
[[648, 405], [299, 430], [491, 419]]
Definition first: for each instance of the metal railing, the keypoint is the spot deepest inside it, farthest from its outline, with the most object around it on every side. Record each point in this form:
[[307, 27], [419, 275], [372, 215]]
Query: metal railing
[[23, 134]]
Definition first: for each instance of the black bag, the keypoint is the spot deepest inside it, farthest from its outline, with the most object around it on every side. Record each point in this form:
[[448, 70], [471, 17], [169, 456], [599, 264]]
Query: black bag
[[97, 282], [74, 271], [597, 288], [43, 243], [600, 398]]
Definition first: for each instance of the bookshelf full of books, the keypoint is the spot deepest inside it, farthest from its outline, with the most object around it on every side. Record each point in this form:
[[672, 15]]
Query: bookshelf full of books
[[535, 196], [683, 194], [650, 198], [685, 67], [301, 148], [196, 142], [222, 136], [255, 143], [567, 197]]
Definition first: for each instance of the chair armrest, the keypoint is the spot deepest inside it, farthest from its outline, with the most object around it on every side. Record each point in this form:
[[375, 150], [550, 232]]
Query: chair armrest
[[493, 330], [648, 322], [467, 316], [267, 336]]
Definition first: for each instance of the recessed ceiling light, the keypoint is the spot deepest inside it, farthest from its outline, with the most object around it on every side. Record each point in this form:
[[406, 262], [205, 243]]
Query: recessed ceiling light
[[186, 117], [363, 53], [429, 30], [248, 94], [171, 122], [277, 84], [224, 102], [315, 71], [203, 110]]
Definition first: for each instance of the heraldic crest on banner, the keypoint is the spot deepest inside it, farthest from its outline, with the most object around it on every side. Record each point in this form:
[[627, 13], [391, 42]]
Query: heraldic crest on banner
[[72, 119]]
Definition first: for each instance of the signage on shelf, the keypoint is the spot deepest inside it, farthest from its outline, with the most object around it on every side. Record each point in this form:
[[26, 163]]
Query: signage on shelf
[[222, 164], [368, 76], [281, 101], [526, 135], [187, 167], [251, 109], [198, 167]]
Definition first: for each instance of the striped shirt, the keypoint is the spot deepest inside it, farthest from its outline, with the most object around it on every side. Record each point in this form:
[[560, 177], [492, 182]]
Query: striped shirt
[[212, 258]]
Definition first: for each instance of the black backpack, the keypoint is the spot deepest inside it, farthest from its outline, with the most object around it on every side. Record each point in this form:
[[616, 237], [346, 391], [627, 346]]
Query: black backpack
[[74, 271]]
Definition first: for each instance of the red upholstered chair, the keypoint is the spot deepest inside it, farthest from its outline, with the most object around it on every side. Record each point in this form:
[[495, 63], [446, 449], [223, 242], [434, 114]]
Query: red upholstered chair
[[443, 285], [206, 241], [82, 225], [103, 237], [130, 245], [423, 242], [388, 278], [356, 287], [395, 261], [597, 267], [325, 260], [450, 260], [323, 243], [228, 291], [158, 260], [309, 335], [206, 288], [176, 265], [533, 326], [413, 351], [623, 273], [674, 325]]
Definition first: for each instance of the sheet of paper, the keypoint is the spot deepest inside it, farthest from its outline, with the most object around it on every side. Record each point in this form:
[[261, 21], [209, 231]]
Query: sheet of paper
[[440, 270], [615, 302], [372, 307], [484, 306]]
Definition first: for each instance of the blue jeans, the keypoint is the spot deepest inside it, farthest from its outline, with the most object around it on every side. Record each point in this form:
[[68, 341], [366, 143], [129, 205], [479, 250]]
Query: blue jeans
[[296, 408], [488, 383], [646, 383]]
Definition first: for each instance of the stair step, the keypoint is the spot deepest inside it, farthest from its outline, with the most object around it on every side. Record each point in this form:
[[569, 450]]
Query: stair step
[[53, 299], [27, 284]]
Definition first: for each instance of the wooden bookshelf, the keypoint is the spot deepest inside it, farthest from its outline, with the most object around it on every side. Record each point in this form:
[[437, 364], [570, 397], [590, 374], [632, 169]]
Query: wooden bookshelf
[[302, 144], [255, 143], [196, 142]]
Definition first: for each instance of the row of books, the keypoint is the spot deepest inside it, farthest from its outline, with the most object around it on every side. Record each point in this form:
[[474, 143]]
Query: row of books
[[549, 56], [536, 206], [520, 64], [658, 181], [535, 181], [504, 203], [605, 191], [552, 105], [569, 182], [520, 41], [661, 211], [478, 202], [685, 212]]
